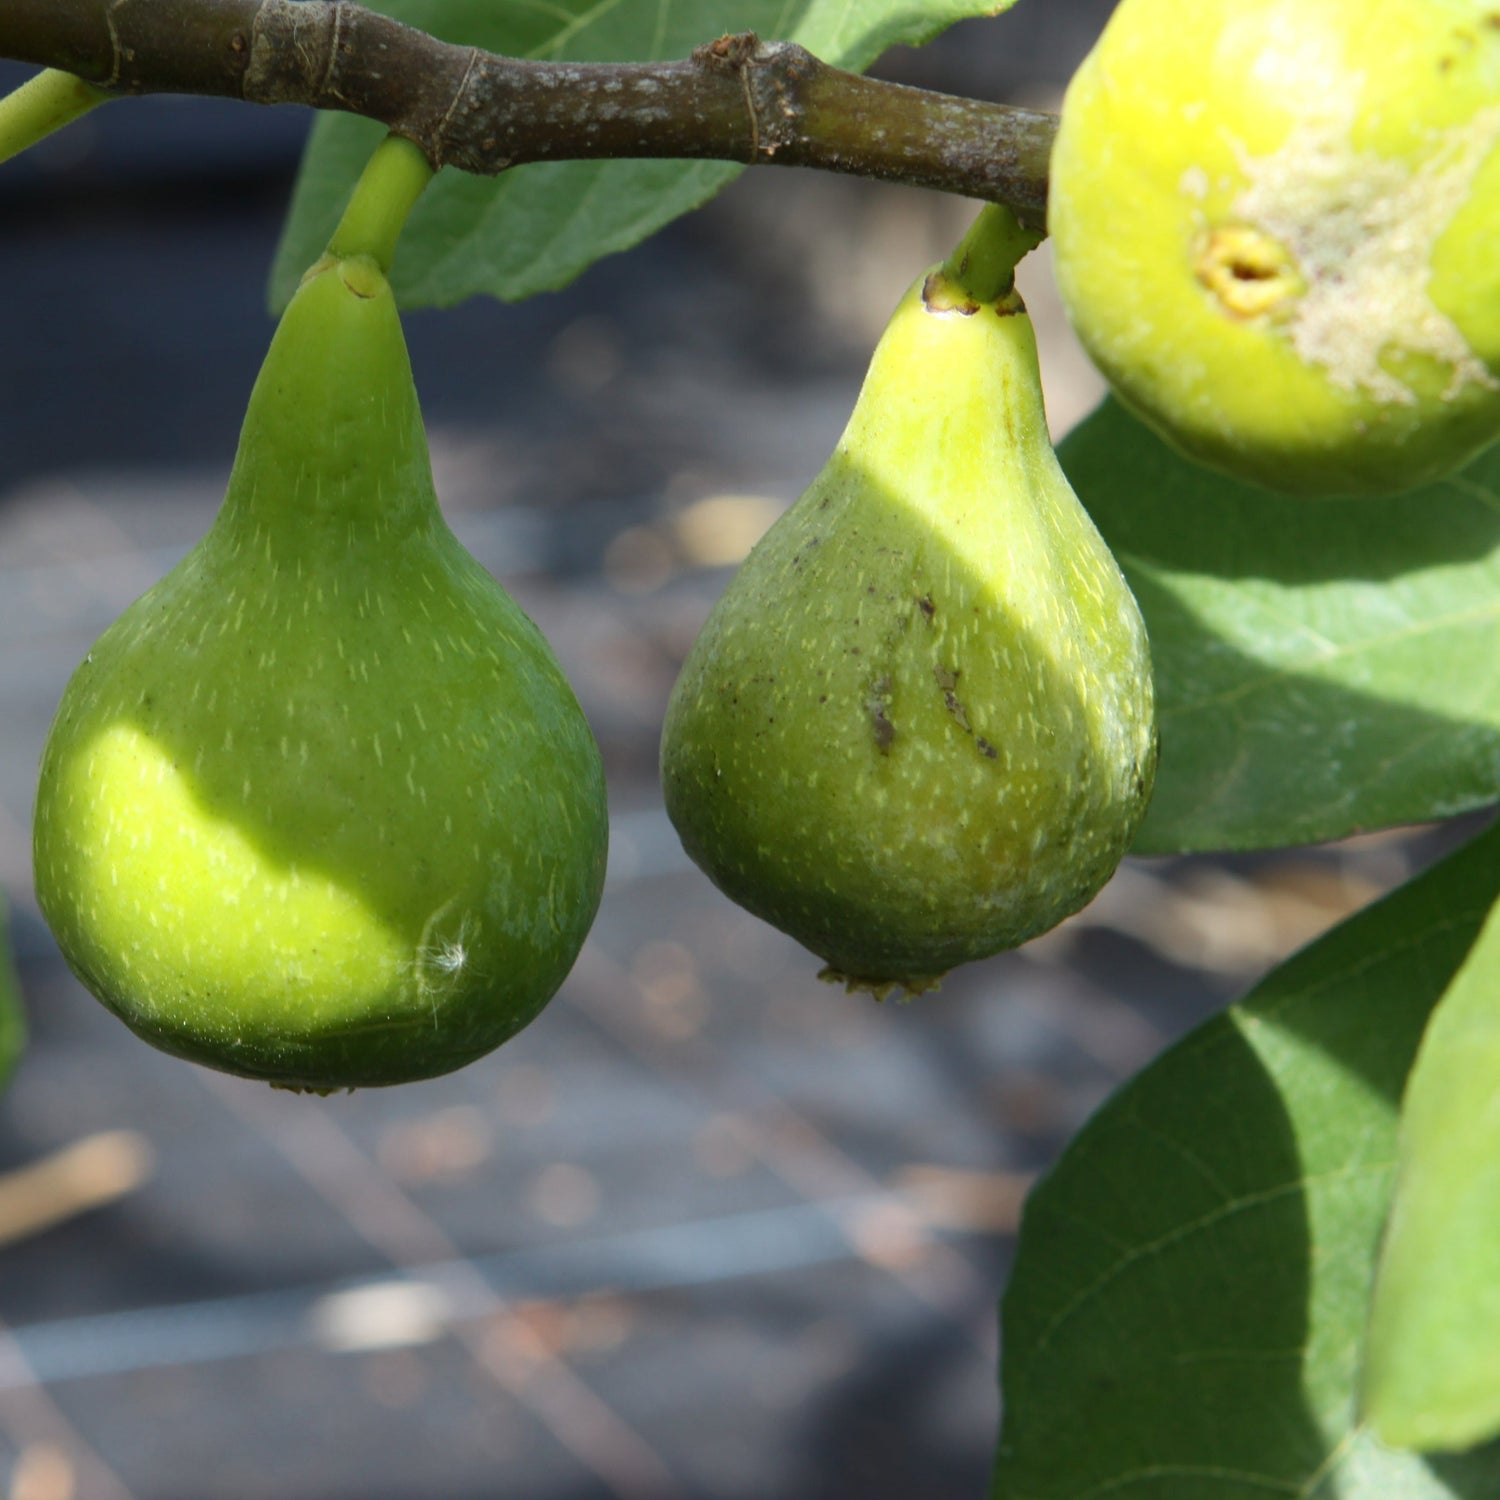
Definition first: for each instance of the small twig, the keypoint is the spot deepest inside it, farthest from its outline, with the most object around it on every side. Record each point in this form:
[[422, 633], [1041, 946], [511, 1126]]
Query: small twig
[[735, 99], [88, 1174]]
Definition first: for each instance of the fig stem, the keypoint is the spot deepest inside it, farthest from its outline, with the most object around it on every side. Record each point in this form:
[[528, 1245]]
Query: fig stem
[[41, 105], [984, 263], [384, 196]]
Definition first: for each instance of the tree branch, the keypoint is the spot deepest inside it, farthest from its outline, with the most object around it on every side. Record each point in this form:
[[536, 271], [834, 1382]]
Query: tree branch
[[735, 99]]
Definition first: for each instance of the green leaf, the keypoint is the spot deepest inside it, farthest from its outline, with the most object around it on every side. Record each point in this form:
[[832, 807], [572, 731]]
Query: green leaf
[[1185, 1317], [535, 228], [1322, 666], [12, 1022], [1432, 1377]]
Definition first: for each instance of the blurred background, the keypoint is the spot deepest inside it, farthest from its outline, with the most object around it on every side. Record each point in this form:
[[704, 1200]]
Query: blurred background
[[708, 1228]]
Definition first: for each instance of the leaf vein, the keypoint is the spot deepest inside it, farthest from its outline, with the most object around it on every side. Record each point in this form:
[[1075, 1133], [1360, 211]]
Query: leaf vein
[[1148, 1472], [1478, 615], [577, 24], [1180, 1232]]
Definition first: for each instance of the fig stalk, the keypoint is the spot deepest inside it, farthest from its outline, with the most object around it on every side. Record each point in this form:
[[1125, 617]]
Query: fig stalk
[[42, 105]]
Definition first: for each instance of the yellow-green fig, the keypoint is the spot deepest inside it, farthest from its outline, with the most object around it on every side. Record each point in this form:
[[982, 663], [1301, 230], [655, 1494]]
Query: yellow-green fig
[[320, 808], [1274, 225], [918, 726]]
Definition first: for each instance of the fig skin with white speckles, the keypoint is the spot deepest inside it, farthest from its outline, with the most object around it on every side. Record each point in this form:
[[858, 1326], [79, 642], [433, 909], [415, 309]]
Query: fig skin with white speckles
[[321, 808], [918, 728]]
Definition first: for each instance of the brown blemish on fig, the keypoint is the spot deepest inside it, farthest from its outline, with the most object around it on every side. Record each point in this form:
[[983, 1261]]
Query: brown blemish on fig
[[880, 721], [947, 681], [939, 295]]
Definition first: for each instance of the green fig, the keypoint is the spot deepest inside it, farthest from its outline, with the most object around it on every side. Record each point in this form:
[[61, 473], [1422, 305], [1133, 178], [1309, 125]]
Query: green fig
[[918, 727], [320, 808], [12, 1020], [1274, 224]]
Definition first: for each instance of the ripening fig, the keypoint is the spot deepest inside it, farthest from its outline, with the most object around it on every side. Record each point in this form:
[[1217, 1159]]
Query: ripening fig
[[918, 726], [320, 808], [1274, 224]]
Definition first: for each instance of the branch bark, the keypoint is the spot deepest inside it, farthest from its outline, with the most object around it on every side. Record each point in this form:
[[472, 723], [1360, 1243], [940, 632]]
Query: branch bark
[[735, 99]]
